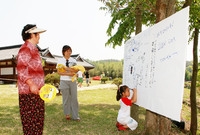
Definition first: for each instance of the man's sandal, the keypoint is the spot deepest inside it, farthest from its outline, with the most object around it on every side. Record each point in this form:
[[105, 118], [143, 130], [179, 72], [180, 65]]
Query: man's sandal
[[68, 117]]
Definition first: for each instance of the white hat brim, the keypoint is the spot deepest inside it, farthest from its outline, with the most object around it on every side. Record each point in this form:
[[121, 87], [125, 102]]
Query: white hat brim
[[37, 30]]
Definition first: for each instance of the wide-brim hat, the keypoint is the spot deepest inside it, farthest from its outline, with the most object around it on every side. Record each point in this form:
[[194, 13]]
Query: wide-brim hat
[[35, 30]]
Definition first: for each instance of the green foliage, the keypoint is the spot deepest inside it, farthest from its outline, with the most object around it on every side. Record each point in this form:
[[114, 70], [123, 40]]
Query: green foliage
[[188, 75], [117, 81], [104, 79], [124, 14], [188, 71], [111, 68], [188, 85], [194, 17], [53, 79]]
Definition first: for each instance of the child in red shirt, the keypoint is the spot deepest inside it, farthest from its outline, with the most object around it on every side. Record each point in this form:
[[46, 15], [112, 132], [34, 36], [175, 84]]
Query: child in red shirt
[[126, 97]]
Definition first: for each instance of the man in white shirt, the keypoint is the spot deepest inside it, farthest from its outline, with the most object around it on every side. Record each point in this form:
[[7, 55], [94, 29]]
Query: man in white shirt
[[67, 86]]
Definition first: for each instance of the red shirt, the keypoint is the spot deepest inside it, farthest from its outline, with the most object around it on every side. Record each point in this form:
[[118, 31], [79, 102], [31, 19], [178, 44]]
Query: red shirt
[[29, 66], [126, 101]]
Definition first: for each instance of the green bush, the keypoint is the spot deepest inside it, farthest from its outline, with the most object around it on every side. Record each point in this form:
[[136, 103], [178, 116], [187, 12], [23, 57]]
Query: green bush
[[104, 79], [117, 81], [53, 79]]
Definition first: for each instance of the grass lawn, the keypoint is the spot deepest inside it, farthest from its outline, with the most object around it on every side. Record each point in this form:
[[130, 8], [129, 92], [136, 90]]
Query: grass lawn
[[98, 113]]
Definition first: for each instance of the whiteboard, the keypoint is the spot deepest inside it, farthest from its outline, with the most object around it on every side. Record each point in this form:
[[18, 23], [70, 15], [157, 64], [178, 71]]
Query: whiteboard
[[154, 63]]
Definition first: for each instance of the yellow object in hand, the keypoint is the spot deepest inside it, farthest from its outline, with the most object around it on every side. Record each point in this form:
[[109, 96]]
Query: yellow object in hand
[[78, 68], [61, 68], [48, 92]]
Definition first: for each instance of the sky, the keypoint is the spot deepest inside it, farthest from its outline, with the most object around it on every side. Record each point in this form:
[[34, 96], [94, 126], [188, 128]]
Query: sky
[[77, 23]]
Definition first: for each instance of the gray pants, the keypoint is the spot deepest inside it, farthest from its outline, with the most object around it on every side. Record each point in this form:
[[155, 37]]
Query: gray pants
[[69, 98]]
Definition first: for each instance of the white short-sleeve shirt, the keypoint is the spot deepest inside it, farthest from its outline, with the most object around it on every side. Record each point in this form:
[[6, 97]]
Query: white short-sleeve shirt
[[72, 62]]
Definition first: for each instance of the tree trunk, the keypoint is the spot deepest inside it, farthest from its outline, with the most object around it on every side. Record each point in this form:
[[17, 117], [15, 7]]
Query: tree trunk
[[155, 123], [193, 121], [134, 107], [193, 125], [164, 8], [138, 19]]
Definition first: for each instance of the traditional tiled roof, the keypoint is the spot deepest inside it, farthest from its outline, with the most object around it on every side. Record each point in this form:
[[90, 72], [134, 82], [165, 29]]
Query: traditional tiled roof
[[10, 52]]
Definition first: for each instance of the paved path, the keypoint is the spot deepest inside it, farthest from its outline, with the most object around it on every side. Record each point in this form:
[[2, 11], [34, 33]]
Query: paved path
[[99, 86], [12, 88]]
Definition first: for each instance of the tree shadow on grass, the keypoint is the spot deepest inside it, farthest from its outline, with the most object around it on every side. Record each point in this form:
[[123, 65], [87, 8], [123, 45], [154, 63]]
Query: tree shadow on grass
[[96, 119]]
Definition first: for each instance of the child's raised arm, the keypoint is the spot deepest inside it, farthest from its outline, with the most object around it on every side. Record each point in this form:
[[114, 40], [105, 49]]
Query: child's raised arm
[[134, 97]]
